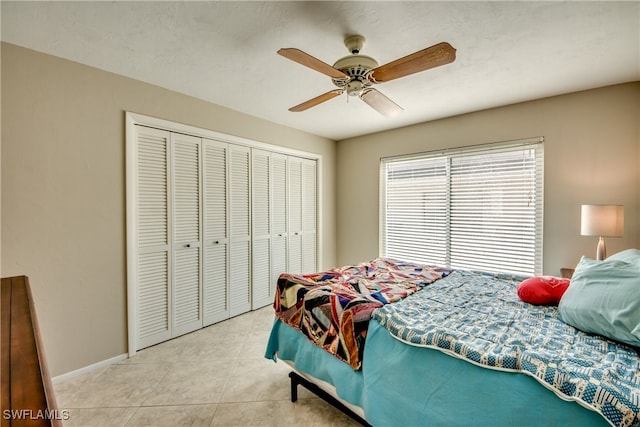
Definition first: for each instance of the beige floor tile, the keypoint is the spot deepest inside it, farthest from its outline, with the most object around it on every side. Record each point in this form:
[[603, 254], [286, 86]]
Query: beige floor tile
[[98, 417], [191, 383], [166, 352], [66, 391], [305, 412], [263, 320], [202, 345], [183, 415], [256, 379], [202, 350], [254, 346], [119, 385]]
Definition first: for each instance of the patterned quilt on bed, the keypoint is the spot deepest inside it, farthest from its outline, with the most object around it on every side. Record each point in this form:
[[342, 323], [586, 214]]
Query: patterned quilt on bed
[[333, 308], [479, 318]]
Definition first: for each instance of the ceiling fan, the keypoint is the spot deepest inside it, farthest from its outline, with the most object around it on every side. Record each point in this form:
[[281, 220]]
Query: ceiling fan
[[356, 74]]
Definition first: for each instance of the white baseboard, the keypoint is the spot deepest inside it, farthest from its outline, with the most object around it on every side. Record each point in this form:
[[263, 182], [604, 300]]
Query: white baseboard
[[90, 368]]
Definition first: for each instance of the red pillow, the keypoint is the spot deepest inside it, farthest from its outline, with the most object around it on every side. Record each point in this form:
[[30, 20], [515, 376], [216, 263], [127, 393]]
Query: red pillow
[[542, 290]]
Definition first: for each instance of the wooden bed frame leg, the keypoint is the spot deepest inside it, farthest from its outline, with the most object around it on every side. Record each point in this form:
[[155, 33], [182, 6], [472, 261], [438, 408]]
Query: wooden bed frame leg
[[297, 379]]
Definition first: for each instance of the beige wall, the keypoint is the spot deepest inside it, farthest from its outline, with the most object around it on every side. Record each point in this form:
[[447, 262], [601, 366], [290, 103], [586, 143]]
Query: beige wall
[[63, 191], [592, 156]]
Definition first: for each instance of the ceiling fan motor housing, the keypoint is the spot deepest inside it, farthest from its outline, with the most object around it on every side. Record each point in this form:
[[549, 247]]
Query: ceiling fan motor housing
[[358, 68]]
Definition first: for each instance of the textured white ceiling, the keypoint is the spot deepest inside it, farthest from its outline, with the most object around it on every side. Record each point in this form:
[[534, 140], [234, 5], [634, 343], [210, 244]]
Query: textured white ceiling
[[225, 52]]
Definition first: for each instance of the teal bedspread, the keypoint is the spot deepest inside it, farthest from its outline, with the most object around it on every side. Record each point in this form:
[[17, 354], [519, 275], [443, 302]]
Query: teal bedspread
[[478, 318], [409, 386]]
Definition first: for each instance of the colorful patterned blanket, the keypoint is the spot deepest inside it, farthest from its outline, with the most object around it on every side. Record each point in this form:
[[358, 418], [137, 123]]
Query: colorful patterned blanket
[[479, 318], [333, 308]]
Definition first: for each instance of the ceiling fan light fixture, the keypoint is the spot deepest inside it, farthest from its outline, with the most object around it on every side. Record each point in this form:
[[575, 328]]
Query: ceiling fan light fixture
[[354, 88]]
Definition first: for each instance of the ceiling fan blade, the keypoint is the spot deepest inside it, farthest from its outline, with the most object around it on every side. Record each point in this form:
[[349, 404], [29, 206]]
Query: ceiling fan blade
[[431, 57], [317, 100], [314, 63], [381, 103]]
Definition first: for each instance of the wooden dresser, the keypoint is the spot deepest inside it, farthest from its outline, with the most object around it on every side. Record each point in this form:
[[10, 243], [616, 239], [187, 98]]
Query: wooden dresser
[[26, 396]]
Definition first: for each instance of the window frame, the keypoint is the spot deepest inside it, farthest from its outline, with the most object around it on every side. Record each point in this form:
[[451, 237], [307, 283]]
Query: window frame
[[535, 143]]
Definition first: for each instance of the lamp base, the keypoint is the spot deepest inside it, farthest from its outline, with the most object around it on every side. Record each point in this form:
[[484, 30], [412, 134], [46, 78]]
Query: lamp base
[[601, 251]]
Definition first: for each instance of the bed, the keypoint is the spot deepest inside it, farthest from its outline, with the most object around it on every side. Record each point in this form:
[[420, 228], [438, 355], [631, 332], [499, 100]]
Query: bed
[[445, 348]]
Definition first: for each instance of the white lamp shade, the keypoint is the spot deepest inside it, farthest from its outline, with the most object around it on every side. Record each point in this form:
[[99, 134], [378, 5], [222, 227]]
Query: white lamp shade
[[602, 220]]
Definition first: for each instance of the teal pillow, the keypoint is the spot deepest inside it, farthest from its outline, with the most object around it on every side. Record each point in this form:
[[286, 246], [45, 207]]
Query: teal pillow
[[628, 255], [604, 297]]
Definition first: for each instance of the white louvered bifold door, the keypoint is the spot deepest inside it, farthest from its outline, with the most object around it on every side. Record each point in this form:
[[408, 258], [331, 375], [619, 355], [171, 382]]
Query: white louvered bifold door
[[215, 293], [309, 216], [152, 221], [239, 230], [212, 222], [279, 217], [185, 194], [261, 288], [295, 214]]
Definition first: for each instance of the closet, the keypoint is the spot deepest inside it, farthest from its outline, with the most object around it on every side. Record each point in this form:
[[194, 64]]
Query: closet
[[212, 221], [283, 219]]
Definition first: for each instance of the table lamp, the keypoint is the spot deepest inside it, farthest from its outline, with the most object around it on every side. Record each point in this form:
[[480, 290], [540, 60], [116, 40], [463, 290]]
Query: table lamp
[[602, 221]]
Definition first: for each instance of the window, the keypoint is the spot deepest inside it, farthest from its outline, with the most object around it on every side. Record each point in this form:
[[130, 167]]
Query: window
[[477, 208]]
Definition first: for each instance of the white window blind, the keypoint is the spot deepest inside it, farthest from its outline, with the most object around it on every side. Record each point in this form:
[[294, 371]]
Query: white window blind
[[477, 208]]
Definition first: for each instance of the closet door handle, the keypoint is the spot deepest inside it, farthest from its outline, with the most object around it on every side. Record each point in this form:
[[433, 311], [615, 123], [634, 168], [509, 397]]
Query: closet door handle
[[217, 242], [188, 245]]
